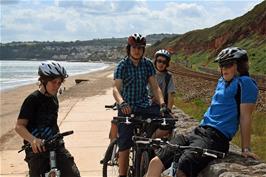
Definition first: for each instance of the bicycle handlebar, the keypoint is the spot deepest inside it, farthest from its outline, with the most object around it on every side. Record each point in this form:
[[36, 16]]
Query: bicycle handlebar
[[161, 143], [56, 137], [132, 119], [112, 106]]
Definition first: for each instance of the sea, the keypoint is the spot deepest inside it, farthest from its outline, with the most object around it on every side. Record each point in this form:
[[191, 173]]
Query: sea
[[15, 73]]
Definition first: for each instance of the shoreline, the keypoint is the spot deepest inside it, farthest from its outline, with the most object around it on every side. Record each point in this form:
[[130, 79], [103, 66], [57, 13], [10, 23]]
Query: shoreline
[[12, 99], [6, 86]]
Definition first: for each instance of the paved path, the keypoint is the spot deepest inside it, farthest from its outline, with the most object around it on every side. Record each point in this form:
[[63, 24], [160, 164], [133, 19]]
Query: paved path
[[90, 122]]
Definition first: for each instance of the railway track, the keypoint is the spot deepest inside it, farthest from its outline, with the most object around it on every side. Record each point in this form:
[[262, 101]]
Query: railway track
[[177, 69]]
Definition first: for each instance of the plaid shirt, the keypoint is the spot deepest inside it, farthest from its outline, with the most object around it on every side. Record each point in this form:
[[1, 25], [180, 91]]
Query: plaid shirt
[[134, 81]]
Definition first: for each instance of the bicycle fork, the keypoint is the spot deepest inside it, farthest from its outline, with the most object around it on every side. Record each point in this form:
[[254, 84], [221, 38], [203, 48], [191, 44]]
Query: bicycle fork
[[54, 172]]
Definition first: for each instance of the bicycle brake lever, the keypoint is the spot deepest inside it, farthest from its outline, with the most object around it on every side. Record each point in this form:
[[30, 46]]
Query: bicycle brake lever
[[210, 155], [164, 122], [127, 121]]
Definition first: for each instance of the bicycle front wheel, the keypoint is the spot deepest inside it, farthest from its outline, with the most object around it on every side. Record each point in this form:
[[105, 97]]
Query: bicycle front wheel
[[142, 162], [110, 161]]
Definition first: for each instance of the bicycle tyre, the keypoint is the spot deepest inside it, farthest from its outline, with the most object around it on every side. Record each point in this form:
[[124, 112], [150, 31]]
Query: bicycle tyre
[[142, 162], [109, 168]]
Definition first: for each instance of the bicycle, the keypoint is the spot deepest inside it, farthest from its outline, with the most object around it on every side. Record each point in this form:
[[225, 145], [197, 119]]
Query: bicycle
[[50, 145], [161, 143], [139, 156]]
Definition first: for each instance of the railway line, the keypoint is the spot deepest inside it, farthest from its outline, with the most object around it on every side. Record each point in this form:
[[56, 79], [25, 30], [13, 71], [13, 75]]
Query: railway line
[[177, 69]]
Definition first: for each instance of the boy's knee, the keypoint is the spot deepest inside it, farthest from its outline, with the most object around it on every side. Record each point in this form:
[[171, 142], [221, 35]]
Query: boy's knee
[[155, 168], [156, 163]]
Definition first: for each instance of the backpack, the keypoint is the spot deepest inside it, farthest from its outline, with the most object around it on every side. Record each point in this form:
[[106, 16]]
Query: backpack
[[167, 80]]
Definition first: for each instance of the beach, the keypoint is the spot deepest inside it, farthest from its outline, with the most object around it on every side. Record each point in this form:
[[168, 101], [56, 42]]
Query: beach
[[81, 109]]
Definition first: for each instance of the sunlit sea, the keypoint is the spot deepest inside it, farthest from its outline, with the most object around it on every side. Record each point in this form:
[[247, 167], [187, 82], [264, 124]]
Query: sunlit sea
[[17, 73]]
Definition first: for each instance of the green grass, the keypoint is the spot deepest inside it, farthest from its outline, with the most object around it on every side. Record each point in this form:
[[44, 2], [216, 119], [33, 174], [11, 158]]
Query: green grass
[[255, 46], [196, 108], [258, 136]]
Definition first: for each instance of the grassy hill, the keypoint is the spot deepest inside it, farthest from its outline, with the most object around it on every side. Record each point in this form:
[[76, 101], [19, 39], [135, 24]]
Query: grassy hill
[[199, 47]]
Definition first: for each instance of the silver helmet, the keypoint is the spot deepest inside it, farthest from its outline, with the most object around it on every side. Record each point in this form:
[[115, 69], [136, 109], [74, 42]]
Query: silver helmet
[[231, 54], [52, 68], [164, 53]]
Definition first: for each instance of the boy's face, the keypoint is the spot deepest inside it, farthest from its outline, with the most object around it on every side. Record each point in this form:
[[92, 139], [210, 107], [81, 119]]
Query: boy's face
[[161, 63], [229, 71], [136, 52], [53, 86]]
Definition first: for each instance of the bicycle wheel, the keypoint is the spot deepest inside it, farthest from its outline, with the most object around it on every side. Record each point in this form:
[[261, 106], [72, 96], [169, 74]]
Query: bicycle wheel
[[142, 162], [110, 161]]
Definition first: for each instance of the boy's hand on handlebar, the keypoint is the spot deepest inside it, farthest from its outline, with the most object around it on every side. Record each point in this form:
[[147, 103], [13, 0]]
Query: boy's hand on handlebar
[[125, 108], [37, 145], [164, 110]]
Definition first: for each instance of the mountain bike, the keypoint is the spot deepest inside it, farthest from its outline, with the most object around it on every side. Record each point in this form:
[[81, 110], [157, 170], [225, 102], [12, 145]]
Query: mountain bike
[[51, 146], [139, 156], [162, 143]]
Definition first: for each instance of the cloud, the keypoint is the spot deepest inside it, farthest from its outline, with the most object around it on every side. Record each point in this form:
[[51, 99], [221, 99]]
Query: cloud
[[9, 2], [84, 20]]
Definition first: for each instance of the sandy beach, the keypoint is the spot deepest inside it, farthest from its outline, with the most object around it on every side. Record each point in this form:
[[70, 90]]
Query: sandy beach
[[81, 109]]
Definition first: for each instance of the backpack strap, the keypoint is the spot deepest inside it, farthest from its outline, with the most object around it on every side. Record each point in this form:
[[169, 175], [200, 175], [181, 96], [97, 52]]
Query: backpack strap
[[167, 80], [238, 98]]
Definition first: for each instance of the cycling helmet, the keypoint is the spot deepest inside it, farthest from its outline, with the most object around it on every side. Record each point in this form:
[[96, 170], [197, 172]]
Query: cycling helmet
[[52, 69], [136, 39], [231, 54], [164, 53]]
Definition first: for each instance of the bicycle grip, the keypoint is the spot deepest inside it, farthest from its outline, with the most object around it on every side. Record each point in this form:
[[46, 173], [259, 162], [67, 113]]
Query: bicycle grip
[[67, 133]]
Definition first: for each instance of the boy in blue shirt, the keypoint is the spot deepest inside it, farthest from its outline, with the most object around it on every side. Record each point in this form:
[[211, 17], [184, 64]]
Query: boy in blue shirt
[[232, 105]]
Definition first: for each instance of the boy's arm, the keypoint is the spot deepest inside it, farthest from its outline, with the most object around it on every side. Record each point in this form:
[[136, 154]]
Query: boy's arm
[[171, 97], [156, 90], [246, 110], [124, 107], [117, 91], [21, 129]]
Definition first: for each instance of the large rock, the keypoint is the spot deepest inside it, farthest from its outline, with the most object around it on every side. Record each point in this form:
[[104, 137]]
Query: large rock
[[233, 165]]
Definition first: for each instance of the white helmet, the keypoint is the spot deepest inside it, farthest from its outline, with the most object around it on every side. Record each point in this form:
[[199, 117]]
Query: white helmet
[[52, 69], [164, 53]]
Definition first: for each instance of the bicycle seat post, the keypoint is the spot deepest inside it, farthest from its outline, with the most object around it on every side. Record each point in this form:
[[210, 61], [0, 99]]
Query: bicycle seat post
[[53, 170], [52, 159]]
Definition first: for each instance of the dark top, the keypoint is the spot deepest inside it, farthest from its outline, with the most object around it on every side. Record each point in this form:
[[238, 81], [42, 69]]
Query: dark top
[[41, 111]]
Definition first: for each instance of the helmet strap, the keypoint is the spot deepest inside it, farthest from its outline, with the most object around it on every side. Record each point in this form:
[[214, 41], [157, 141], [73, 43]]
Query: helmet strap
[[45, 89]]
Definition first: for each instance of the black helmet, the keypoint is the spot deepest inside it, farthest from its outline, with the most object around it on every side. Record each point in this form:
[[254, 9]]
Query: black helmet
[[231, 54]]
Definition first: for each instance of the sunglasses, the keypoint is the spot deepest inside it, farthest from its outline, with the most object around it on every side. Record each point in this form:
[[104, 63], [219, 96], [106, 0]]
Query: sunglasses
[[162, 61], [226, 65]]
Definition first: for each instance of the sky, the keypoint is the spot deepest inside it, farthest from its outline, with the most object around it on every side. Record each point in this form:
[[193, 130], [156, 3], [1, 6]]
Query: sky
[[71, 20]]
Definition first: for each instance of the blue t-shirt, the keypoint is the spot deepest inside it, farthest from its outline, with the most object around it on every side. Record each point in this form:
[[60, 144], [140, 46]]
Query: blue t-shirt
[[134, 81], [223, 111]]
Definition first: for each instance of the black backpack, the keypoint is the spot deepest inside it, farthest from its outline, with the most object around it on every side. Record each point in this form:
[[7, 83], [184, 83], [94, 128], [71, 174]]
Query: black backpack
[[167, 80]]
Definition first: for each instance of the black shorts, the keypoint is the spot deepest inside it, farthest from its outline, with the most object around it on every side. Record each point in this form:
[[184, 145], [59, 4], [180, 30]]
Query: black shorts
[[188, 162], [39, 163]]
